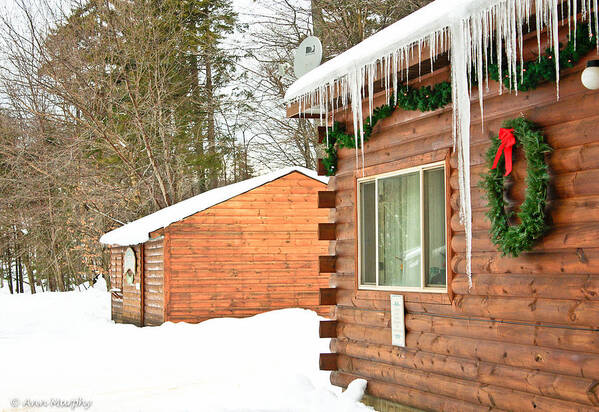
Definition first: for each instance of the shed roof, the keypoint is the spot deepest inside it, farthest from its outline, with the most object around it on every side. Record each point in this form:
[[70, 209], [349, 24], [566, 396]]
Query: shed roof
[[139, 230]]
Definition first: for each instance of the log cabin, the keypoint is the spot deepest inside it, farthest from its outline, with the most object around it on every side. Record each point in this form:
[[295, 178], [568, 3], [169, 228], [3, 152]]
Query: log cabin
[[233, 251], [510, 333]]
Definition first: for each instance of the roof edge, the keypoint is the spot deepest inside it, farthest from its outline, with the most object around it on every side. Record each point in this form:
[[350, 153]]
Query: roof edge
[[138, 231]]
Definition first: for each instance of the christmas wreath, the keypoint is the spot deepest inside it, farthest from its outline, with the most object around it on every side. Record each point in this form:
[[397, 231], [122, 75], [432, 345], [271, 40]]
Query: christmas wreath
[[514, 239]]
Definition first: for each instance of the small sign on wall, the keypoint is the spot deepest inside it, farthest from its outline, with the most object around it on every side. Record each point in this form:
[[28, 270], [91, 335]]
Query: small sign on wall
[[398, 324], [129, 266]]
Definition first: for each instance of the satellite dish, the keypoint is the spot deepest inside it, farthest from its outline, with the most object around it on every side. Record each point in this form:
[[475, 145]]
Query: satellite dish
[[307, 56]]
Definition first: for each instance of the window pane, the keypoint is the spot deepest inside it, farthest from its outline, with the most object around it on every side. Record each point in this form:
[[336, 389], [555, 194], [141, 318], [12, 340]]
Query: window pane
[[434, 224], [399, 230], [368, 233]]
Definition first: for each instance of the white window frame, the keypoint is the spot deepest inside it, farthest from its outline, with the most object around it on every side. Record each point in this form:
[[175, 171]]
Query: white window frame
[[376, 178]]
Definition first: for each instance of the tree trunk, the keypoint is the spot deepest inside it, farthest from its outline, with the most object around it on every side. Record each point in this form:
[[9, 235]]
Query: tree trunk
[[9, 260], [317, 19], [197, 128], [20, 271], [59, 278], [30, 275], [50, 281], [211, 132]]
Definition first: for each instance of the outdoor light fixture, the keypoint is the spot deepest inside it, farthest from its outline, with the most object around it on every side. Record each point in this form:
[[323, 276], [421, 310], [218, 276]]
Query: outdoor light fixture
[[590, 75]]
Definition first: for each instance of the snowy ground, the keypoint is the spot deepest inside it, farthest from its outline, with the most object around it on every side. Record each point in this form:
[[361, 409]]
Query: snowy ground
[[64, 347]]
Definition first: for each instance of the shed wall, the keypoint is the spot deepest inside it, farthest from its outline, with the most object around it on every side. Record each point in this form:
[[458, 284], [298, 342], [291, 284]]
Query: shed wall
[[253, 253], [154, 282], [524, 337], [131, 294], [116, 282], [126, 305]]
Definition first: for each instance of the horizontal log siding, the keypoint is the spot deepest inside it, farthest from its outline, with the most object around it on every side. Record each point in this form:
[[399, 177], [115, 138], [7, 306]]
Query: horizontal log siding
[[116, 282], [154, 282], [253, 253], [458, 356]]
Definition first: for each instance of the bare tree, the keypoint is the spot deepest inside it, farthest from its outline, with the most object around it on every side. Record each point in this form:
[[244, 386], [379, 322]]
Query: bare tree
[[103, 122], [276, 30]]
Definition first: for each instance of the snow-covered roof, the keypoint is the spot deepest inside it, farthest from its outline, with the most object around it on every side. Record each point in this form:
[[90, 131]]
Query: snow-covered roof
[[139, 230], [431, 18]]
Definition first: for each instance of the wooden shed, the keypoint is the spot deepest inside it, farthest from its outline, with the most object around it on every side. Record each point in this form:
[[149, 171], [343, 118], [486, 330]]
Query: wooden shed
[[524, 335], [234, 251]]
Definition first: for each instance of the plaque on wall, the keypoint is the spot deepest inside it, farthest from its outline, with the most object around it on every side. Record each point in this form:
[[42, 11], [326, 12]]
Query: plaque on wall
[[398, 324]]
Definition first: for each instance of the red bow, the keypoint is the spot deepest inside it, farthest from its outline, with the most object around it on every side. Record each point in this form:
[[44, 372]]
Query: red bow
[[507, 142]]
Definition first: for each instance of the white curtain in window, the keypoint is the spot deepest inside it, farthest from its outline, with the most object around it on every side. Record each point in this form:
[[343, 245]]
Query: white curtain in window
[[399, 230]]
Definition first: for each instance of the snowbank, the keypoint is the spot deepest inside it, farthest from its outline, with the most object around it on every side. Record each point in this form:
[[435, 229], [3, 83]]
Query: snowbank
[[138, 231], [63, 346]]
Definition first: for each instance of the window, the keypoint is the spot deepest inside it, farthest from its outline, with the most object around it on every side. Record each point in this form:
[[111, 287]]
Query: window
[[402, 230]]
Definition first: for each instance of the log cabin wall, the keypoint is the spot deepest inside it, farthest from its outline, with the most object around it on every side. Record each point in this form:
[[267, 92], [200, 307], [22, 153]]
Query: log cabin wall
[[252, 253], [126, 305], [525, 336], [116, 282], [154, 282]]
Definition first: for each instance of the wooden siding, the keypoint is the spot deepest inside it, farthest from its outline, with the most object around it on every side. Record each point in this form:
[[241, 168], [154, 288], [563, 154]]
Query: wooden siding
[[253, 253], [132, 295], [116, 282], [154, 282], [127, 309], [525, 336]]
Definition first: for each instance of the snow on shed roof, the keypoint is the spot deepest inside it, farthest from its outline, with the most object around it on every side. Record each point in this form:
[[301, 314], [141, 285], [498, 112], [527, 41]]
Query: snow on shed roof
[[431, 18], [139, 230]]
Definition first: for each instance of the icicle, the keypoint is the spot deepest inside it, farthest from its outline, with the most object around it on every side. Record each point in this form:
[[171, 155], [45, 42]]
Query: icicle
[[461, 130], [395, 68], [409, 56], [499, 23], [360, 118], [510, 43], [596, 23], [575, 16], [419, 57], [570, 18], [432, 49], [478, 43], [485, 34], [539, 22], [355, 97], [555, 33], [519, 22], [371, 70], [384, 76]]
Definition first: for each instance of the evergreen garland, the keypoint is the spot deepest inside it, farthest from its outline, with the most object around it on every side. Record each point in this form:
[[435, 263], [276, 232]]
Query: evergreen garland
[[543, 69], [427, 98], [512, 240]]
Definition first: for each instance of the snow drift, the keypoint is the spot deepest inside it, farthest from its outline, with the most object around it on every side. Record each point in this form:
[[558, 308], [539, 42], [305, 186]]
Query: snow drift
[[64, 346]]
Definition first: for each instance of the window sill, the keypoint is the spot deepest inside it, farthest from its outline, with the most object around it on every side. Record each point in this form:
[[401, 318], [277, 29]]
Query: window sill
[[400, 289]]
